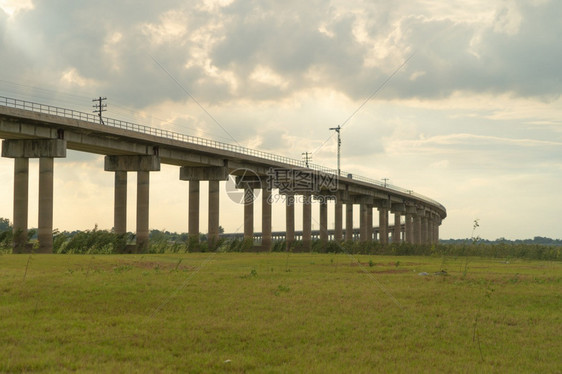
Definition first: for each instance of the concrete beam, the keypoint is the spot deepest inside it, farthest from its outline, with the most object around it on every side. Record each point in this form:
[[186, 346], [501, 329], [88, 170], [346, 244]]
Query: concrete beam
[[132, 163], [33, 148], [211, 173], [398, 208]]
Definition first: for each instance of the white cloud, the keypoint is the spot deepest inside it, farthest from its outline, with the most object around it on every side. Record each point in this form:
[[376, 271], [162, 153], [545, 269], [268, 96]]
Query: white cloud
[[12, 7]]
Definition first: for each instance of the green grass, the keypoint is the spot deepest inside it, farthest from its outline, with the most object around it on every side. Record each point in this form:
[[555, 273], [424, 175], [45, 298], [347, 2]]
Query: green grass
[[240, 312]]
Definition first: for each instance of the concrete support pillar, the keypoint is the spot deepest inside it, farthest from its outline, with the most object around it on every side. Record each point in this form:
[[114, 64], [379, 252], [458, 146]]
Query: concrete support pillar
[[383, 225], [307, 222], [249, 214], [417, 229], [349, 221], [424, 230], [338, 219], [266, 219], [143, 188], [363, 222], [430, 230], [143, 165], [323, 221], [409, 229], [397, 229], [290, 220], [369, 224], [21, 198], [193, 212], [120, 203], [45, 230], [214, 209], [21, 150]]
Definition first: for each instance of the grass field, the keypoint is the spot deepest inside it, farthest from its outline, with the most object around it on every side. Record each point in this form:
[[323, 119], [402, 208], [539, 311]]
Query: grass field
[[276, 312]]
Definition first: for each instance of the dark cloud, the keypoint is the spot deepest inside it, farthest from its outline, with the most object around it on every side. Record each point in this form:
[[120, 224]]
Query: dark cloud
[[307, 44]]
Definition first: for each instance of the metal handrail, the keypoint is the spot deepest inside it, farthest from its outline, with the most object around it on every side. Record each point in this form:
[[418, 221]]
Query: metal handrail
[[89, 117]]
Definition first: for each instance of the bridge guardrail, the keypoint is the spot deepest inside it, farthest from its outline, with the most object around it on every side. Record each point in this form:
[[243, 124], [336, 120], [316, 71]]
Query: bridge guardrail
[[89, 117]]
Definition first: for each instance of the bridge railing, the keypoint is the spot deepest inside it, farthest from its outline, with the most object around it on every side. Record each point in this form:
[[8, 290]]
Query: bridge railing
[[89, 117]]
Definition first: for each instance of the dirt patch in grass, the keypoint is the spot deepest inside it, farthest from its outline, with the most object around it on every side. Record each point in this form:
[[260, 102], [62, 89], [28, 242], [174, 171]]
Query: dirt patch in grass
[[160, 265], [387, 264], [390, 271]]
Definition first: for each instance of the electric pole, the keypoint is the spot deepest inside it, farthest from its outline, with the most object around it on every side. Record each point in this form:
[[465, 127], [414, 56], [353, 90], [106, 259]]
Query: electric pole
[[100, 107], [385, 180], [337, 129], [307, 156]]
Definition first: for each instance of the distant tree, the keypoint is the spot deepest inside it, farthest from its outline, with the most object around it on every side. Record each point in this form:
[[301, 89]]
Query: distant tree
[[5, 224]]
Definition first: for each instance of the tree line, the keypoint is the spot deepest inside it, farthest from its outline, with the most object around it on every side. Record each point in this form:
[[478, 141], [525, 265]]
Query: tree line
[[97, 241]]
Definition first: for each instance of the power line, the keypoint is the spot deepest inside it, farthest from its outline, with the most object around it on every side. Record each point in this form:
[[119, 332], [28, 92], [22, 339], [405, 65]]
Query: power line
[[376, 91], [193, 98]]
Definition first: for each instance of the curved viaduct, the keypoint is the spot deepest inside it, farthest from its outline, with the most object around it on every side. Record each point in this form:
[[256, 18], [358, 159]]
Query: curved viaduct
[[32, 130]]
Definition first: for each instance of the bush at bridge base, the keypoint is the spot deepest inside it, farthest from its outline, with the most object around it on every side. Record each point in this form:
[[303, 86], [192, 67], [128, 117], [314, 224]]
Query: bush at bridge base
[[107, 242]]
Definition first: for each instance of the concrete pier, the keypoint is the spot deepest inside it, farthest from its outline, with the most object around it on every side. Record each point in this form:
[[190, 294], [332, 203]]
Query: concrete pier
[[349, 221], [411, 211], [120, 203], [21, 202], [214, 210], [418, 227], [143, 186], [307, 222], [266, 220], [194, 175], [338, 219], [290, 220], [21, 150], [193, 213], [249, 214], [45, 229], [143, 165], [424, 230], [323, 221], [369, 224], [363, 222], [396, 234], [383, 225]]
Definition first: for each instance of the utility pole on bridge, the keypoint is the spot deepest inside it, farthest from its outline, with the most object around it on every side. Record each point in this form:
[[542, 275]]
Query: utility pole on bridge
[[307, 156], [99, 107], [337, 129]]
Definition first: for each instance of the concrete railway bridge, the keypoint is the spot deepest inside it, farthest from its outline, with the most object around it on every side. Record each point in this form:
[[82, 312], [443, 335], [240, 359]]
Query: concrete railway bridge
[[32, 130]]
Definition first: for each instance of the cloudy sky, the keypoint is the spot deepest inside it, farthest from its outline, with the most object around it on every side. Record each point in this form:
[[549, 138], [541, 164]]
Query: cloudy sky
[[456, 100]]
